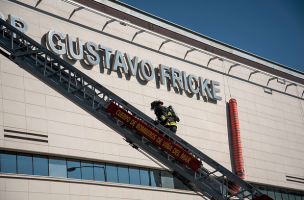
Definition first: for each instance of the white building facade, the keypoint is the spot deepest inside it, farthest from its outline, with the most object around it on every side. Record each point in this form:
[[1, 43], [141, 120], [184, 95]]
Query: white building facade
[[52, 149]]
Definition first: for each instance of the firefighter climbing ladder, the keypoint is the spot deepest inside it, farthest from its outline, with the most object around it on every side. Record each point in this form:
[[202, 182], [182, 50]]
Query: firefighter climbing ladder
[[95, 99]]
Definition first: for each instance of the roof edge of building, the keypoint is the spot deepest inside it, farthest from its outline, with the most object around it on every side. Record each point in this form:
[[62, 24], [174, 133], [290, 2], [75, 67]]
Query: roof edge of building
[[135, 12]]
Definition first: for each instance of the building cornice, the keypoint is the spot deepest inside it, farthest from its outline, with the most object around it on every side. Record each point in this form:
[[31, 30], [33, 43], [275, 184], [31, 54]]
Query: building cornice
[[160, 26]]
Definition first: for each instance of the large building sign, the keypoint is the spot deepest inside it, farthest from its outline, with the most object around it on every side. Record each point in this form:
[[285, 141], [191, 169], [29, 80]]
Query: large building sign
[[90, 52], [178, 79]]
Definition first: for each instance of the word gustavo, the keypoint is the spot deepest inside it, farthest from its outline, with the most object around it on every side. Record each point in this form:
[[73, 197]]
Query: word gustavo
[[178, 79]]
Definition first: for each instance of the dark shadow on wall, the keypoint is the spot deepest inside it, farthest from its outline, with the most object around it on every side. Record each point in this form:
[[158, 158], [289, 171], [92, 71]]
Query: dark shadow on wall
[[229, 131], [139, 79], [43, 40], [144, 47], [85, 65]]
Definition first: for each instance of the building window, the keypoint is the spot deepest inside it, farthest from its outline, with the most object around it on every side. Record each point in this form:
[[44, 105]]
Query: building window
[[270, 192], [99, 172], [178, 184], [73, 168], [87, 170], [278, 194], [167, 180], [41, 165], [299, 196], [11, 162], [123, 174], [58, 167], [155, 178], [291, 195], [144, 177], [8, 162], [25, 164], [134, 176], [111, 171]]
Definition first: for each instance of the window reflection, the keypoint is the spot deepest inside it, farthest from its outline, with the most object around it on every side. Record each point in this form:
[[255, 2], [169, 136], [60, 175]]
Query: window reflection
[[291, 195], [24, 164], [134, 176], [178, 184], [270, 192], [167, 180], [87, 170], [278, 195], [155, 178], [58, 167], [73, 169], [111, 171], [263, 189], [298, 196], [99, 172], [41, 165], [284, 194], [8, 162], [123, 174], [144, 177]]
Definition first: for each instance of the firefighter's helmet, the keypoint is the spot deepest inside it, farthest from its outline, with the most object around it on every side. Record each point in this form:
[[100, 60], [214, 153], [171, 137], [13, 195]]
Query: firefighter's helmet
[[156, 103]]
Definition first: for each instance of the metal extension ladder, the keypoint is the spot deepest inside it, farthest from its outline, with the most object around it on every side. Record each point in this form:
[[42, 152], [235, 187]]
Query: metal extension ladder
[[95, 98]]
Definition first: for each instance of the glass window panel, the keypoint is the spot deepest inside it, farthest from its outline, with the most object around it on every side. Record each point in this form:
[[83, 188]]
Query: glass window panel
[[41, 165], [134, 176], [99, 172], [270, 192], [155, 178], [87, 170], [278, 195], [8, 162], [58, 167], [291, 195], [25, 164], [298, 196], [111, 171], [74, 169], [263, 189], [167, 180], [284, 194], [178, 184], [123, 174], [144, 177]]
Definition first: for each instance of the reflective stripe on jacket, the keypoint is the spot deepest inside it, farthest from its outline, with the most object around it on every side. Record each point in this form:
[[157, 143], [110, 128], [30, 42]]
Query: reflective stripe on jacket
[[165, 117]]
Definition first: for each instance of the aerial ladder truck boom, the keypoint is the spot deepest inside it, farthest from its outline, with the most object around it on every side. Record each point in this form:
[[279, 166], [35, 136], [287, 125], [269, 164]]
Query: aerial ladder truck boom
[[118, 114]]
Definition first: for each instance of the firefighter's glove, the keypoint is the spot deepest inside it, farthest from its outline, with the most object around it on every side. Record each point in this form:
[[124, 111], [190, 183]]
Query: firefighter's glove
[[156, 122], [176, 119]]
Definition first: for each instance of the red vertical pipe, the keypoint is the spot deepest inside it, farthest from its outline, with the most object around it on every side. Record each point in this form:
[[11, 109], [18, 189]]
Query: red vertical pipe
[[236, 143]]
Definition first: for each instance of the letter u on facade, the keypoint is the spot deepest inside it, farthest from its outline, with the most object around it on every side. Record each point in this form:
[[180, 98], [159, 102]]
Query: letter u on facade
[[79, 49]]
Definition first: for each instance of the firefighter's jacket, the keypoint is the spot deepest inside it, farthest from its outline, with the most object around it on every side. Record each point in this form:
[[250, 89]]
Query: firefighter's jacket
[[164, 116]]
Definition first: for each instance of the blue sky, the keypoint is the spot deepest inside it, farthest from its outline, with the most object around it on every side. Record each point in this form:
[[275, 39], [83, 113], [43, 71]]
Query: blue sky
[[273, 29]]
